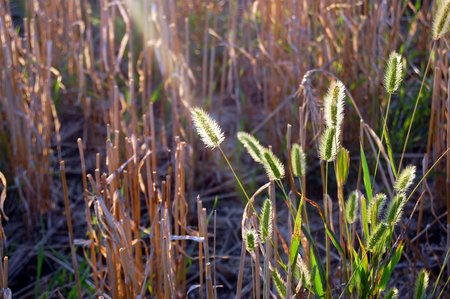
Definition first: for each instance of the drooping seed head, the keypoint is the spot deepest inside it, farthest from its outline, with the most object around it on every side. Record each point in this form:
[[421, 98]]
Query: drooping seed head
[[395, 209], [391, 294], [351, 206], [252, 145], [279, 282], [273, 166], [405, 179], [421, 284], [207, 128], [251, 239], [376, 239], [393, 74], [334, 104], [266, 221], [441, 21], [298, 160], [329, 144]]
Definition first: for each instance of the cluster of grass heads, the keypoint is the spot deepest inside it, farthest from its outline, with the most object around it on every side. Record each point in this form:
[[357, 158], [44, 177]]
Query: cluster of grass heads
[[365, 241]]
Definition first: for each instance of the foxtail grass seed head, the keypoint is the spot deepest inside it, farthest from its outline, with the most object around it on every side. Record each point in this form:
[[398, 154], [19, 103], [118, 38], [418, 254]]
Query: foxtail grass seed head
[[329, 144], [375, 206], [304, 272], [251, 239], [208, 129], [334, 104], [266, 221], [342, 166], [279, 282], [441, 21], [421, 284], [273, 166], [377, 237], [298, 160], [391, 294], [394, 72], [405, 179], [395, 209], [351, 207], [252, 145]]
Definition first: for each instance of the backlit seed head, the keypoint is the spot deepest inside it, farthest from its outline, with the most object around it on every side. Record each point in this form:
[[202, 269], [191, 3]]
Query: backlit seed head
[[298, 160], [377, 237], [273, 166], [351, 207], [405, 179], [334, 104], [393, 74], [395, 209], [421, 284], [391, 294], [441, 21], [304, 272], [266, 221], [251, 239], [329, 144], [207, 128], [252, 145], [279, 282], [375, 206]]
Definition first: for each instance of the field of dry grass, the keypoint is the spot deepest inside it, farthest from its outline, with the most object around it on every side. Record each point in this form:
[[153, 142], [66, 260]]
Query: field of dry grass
[[220, 149]]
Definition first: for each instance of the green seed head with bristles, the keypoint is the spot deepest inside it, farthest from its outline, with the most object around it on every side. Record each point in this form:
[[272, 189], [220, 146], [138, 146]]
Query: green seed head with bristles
[[375, 206], [279, 282], [273, 166], [334, 104], [298, 160], [421, 284], [394, 72], [395, 209], [304, 272], [329, 144], [441, 21], [405, 179], [351, 207], [265, 229], [208, 129], [251, 239], [377, 237], [252, 145], [391, 294]]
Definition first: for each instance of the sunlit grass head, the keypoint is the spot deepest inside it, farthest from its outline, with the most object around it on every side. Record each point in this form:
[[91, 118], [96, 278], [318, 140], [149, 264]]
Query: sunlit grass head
[[298, 160], [393, 74], [329, 144], [334, 104], [207, 128], [273, 166], [441, 21], [405, 179], [252, 145]]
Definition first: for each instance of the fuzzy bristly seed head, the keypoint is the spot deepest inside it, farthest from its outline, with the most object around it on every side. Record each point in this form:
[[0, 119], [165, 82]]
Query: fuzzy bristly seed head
[[305, 274], [377, 237], [252, 145], [266, 221], [391, 294], [273, 166], [251, 239], [298, 160], [375, 206], [405, 179], [208, 129], [395, 209], [441, 21], [279, 282], [351, 207], [329, 144], [334, 104], [394, 72], [421, 284]]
